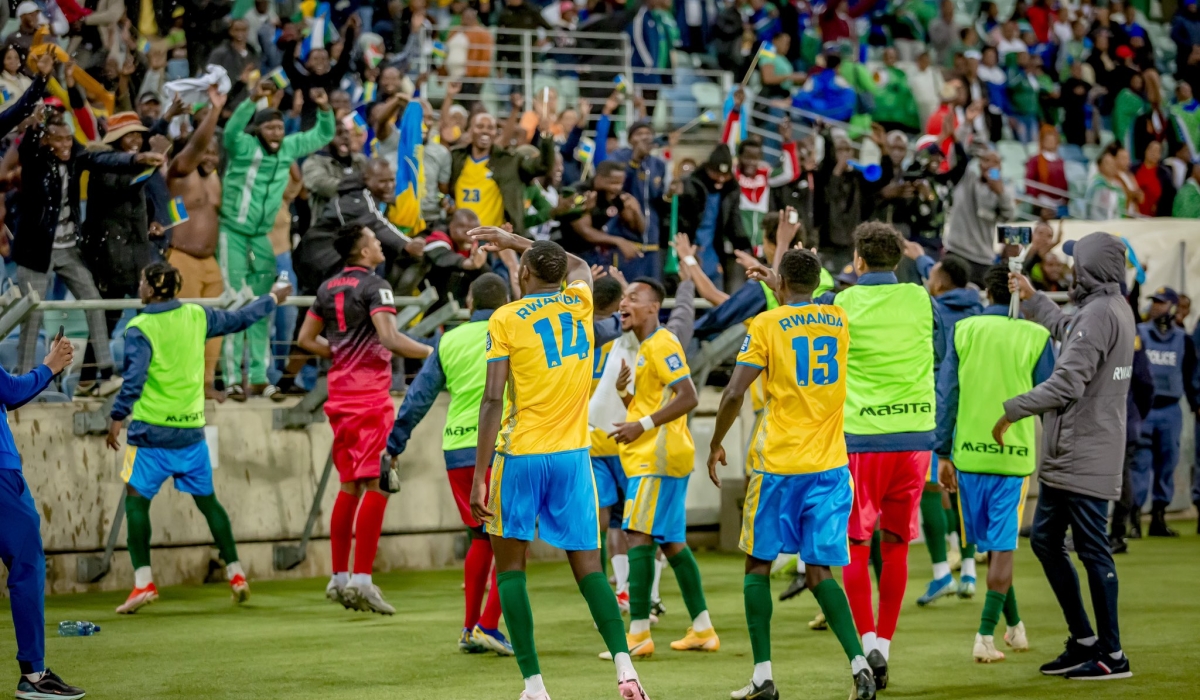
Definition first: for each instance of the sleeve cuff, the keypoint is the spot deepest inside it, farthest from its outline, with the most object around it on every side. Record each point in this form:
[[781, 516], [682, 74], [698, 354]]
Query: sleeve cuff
[[750, 364]]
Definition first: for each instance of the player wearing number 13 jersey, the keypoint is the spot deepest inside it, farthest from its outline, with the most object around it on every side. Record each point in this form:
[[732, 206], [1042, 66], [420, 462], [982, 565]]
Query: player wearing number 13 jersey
[[539, 352], [799, 493]]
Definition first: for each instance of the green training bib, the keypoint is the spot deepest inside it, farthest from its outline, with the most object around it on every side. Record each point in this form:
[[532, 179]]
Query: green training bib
[[465, 366], [173, 395]]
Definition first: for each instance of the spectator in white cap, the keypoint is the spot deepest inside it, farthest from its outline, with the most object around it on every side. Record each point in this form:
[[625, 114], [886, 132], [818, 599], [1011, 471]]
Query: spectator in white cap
[[30, 16]]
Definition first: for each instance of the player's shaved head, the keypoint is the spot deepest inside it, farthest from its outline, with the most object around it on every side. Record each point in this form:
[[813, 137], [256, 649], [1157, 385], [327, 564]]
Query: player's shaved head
[[606, 294], [487, 292], [546, 261], [657, 289], [801, 271]]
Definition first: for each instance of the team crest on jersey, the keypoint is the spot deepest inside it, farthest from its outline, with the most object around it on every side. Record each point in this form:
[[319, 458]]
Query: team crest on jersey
[[385, 297], [641, 361], [674, 363], [488, 343], [746, 343]]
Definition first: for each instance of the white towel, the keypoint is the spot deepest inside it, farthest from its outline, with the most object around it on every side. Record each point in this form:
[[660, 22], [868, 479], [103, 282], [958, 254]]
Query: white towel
[[606, 409], [194, 91]]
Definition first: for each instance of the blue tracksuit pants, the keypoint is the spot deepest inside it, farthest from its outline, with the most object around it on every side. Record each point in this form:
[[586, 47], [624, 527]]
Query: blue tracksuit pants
[[1158, 452], [21, 551]]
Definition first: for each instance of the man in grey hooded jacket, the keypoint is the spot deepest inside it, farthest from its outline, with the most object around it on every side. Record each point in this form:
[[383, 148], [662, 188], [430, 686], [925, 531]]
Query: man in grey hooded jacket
[[1082, 406]]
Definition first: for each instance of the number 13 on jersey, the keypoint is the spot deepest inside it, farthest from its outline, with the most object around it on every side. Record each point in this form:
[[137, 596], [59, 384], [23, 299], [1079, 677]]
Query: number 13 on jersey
[[818, 364], [574, 339]]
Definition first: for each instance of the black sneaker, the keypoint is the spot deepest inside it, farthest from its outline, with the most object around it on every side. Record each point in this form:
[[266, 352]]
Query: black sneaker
[[798, 585], [1074, 656], [879, 669], [1135, 530], [50, 686], [1104, 668], [1159, 528], [864, 687], [1118, 545], [754, 691]]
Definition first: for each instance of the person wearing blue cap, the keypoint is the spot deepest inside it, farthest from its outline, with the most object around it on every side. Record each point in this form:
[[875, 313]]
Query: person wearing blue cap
[[1172, 358]]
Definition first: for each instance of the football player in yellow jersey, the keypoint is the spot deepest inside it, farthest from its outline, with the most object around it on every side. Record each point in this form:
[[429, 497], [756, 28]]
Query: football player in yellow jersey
[[657, 453], [799, 495], [475, 188], [539, 348]]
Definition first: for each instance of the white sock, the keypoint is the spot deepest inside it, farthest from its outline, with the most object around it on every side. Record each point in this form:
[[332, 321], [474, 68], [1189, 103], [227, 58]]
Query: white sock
[[701, 623], [620, 564], [799, 566], [624, 667], [534, 685], [340, 579], [869, 642], [968, 567], [941, 570], [360, 580], [859, 663], [639, 626], [142, 577], [1087, 641], [233, 569], [884, 646], [34, 677], [954, 540], [1116, 655], [659, 565], [762, 673]]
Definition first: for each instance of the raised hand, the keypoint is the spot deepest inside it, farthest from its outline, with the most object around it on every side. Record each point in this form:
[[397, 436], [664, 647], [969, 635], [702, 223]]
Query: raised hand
[[497, 239], [319, 97], [215, 98]]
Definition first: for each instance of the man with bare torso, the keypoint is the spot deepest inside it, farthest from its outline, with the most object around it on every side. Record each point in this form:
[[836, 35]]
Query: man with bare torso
[[192, 175]]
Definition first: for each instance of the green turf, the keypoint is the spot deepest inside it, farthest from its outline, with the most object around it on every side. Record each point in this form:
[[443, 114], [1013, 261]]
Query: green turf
[[288, 642]]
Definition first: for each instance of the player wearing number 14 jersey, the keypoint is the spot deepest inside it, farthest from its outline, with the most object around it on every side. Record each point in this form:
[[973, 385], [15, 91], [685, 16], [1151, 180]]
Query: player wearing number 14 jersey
[[539, 357], [799, 495]]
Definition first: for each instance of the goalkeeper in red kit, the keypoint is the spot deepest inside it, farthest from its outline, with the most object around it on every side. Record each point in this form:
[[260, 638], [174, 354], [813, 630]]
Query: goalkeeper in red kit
[[357, 314]]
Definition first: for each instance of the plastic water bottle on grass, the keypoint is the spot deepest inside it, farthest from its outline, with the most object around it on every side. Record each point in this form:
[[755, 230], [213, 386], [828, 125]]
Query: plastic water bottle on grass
[[73, 628]]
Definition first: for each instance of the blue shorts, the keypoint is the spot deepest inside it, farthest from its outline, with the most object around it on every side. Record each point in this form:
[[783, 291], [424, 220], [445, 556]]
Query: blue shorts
[[933, 468], [610, 480], [991, 506], [550, 495], [657, 506], [806, 514], [146, 468]]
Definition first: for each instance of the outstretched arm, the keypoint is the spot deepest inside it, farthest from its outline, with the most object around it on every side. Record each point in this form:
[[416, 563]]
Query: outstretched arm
[[394, 340], [497, 239], [417, 402], [189, 158]]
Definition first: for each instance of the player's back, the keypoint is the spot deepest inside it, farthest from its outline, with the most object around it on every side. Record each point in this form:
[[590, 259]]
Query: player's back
[[802, 352], [346, 303], [547, 340]]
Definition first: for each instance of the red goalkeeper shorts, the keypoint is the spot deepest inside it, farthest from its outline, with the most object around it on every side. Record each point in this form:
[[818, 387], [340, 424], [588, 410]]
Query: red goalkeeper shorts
[[460, 486], [360, 432], [887, 489]]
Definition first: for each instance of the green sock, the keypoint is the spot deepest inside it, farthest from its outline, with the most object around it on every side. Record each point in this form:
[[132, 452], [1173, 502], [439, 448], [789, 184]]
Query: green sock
[[603, 603], [604, 552], [518, 617], [641, 580], [687, 573], [833, 603], [756, 591], [218, 523], [1011, 617], [992, 606], [967, 550], [877, 554], [933, 524], [951, 518], [137, 517]]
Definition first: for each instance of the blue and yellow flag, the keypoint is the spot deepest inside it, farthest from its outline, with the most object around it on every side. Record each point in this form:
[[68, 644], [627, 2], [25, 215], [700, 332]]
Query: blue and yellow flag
[[405, 212], [766, 51], [176, 211]]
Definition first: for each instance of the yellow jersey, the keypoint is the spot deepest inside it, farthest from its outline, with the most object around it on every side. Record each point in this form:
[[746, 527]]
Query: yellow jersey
[[602, 444], [477, 190], [802, 352], [666, 450], [547, 340]]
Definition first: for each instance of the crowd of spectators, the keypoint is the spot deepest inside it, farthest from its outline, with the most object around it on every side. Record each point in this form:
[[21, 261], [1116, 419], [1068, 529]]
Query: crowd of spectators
[[275, 124]]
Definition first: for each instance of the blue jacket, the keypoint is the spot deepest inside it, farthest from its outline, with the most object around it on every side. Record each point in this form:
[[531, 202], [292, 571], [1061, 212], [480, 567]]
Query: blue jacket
[[900, 442], [947, 384], [645, 34], [828, 95], [747, 302], [431, 381], [137, 367], [15, 392], [646, 183]]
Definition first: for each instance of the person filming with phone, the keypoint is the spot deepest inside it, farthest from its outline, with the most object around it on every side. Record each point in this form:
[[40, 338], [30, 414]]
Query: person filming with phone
[[980, 203]]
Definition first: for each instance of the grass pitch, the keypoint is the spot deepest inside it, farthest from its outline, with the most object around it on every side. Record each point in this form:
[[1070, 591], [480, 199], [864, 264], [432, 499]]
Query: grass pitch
[[288, 642]]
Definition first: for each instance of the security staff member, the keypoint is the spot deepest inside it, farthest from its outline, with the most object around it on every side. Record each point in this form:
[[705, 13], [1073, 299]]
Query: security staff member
[[1173, 364]]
